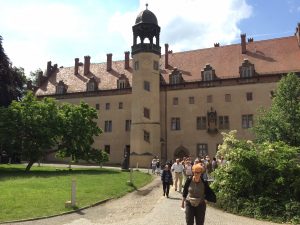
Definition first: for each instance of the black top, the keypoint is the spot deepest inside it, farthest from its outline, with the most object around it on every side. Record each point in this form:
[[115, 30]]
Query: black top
[[208, 192], [146, 16]]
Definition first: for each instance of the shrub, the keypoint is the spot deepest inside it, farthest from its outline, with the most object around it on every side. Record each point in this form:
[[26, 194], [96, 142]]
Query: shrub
[[258, 180]]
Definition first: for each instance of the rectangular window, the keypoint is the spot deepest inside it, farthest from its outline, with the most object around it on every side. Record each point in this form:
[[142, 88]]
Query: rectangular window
[[136, 65], [209, 98], [175, 101], [121, 84], [208, 75], [108, 126], [146, 136], [191, 100], [202, 150], [247, 71], [60, 89], [228, 98], [147, 113], [175, 123], [97, 106], [107, 106], [201, 123], [249, 96], [127, 125], [120, 105], [224, 122], [247, 121], [155, 65], [147, 85], [91, 86], [107, 149]]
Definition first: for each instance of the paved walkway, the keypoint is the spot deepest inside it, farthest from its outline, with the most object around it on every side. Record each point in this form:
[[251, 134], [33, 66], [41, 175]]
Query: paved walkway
[[145, 206]]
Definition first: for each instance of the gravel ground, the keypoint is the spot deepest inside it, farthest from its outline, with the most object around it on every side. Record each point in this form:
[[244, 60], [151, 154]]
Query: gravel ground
[[145, 206]]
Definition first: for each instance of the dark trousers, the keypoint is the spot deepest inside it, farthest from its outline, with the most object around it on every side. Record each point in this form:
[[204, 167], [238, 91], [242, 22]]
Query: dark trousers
[[166, 188], [195, 212]]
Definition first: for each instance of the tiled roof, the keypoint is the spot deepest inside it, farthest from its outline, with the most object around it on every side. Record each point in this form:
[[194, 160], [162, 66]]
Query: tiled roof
[[279, 55]]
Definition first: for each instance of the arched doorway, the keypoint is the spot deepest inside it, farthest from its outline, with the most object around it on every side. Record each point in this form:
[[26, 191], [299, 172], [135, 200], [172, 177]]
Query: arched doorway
[[181, 152]]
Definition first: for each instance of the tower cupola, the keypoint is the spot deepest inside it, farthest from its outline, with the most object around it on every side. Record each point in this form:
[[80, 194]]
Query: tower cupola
[[146, 33]]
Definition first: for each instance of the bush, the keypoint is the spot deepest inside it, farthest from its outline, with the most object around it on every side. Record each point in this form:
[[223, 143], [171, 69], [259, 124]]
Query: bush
[[259, 180]]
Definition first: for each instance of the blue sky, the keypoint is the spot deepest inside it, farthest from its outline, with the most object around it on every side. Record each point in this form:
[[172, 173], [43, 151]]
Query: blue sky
[[37, 31]]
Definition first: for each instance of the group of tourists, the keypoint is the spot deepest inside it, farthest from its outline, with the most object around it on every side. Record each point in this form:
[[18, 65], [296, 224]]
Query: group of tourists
[[191, 179]]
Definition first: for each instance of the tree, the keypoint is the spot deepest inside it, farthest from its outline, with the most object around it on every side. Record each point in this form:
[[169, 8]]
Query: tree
[[32, 127], [282, 121], [78, 130], [12, 80], [35, 76], [35, 128]]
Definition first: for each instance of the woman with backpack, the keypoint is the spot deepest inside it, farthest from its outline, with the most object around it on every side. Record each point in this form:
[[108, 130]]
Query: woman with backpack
[[196, 192]]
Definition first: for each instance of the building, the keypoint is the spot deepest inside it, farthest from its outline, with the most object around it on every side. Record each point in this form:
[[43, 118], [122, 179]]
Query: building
[[179, 103]]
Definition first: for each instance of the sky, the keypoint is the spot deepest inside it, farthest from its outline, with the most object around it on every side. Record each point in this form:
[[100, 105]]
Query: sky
[[37, 31]]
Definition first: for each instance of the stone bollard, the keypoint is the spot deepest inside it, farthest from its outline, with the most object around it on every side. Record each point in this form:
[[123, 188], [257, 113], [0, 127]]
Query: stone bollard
[[73, 195], [72, 203], [130, 181]]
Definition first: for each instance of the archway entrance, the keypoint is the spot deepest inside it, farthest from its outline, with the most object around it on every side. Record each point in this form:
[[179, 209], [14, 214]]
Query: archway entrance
[[181, 152]]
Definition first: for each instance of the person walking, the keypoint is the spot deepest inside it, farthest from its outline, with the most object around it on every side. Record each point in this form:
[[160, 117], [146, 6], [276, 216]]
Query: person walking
[[167, 180], [195, 192], [153, 164], [177, 168]]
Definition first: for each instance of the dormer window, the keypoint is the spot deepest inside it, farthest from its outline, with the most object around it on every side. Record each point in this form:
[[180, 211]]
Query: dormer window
[[60, 88], [122, 82], [208, 73], [247, 69], [176, 77], [91, 85]]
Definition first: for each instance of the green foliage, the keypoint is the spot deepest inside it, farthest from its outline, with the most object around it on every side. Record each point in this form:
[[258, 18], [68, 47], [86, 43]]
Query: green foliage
[[282, 121], [12, 80], [77, 130], [259, 180], [35, 76], [34, 128]]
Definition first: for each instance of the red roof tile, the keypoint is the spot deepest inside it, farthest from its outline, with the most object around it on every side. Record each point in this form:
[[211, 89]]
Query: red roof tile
[[279, 55]]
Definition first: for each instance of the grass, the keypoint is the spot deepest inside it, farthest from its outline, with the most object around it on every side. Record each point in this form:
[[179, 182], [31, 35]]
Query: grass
[[44, 190]]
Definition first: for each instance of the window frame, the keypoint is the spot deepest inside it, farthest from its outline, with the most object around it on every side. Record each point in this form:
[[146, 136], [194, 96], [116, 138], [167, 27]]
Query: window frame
[[247, 121], [201, 147], [107, 126], [175, 123], [201, 123]]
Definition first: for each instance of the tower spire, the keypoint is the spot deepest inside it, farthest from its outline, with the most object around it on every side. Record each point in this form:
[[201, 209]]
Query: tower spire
[[146, 5]]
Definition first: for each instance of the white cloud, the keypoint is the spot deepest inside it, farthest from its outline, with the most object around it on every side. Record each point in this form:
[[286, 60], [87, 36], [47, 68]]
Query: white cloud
[[30, 31], [189, 24], [35, 32]]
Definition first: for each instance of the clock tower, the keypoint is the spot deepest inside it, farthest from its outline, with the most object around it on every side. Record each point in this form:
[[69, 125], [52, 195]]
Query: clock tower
[[145, 108]]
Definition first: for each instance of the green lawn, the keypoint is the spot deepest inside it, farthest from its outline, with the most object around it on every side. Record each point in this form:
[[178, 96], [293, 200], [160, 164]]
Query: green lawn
[[44, 190]]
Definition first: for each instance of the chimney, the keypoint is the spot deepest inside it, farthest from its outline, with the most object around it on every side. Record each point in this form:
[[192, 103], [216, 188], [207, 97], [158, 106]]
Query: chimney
[[76, 66], [217, 44], [298, 33], [87, 63], [49, 67], [109, 62], [166, 56], [243, 43], [126, 60]]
